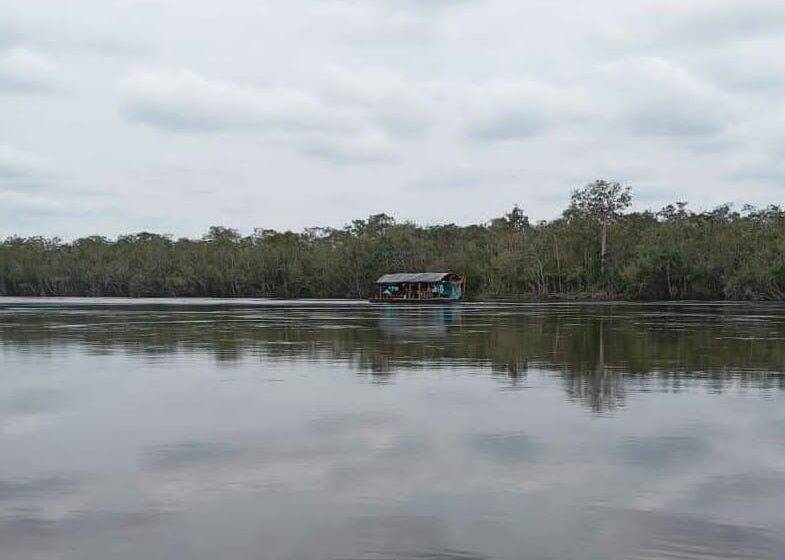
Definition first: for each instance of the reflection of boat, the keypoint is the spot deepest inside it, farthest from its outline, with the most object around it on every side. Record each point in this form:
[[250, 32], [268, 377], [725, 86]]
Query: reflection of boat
[[421, 323], [421, 287]]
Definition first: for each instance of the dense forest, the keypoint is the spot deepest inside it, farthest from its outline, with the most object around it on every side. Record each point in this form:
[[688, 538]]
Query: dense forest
[[596, 248]]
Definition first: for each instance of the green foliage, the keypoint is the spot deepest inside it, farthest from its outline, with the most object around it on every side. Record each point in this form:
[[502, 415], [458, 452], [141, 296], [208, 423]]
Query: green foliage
[[594, 249], [601, 201]]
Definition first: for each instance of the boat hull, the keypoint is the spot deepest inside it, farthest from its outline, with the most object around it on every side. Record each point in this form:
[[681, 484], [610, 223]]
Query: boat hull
[[430, 301]]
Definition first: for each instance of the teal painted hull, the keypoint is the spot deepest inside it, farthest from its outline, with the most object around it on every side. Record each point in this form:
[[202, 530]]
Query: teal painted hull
[[431, 301]]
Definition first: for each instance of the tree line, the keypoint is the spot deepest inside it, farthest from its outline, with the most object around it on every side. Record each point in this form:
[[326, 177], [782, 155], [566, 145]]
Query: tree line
[[596, 248]]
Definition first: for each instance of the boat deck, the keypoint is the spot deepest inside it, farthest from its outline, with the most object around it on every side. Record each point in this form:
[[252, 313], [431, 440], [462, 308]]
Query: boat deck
[[414, 300]]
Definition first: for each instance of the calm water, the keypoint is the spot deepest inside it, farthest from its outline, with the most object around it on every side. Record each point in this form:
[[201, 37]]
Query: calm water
[[346, 431]]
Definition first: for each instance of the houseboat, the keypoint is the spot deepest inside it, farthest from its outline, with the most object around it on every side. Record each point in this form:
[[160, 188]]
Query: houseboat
[[420, 287]]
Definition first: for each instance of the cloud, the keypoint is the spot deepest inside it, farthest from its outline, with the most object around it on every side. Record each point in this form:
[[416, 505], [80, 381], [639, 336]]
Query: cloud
[[25, 71], [183, 100], [756, 66], [59, 32], [369, 87], [511, 110], [656, 97], [343, 117], [392, 22], [371, 146], [432, 90], [385, 97], [341, 102], [19, 168], [723, 20], [673, 24], [34, 190]]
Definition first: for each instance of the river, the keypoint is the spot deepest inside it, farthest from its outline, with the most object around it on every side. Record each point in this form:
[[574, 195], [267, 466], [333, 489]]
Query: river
[[323, 430]]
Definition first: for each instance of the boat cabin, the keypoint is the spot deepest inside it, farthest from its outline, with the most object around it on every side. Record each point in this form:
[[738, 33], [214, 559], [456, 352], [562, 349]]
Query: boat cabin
[[421, 287]]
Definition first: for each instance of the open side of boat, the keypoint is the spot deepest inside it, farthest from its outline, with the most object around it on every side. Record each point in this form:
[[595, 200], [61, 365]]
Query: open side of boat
[[421, 287]]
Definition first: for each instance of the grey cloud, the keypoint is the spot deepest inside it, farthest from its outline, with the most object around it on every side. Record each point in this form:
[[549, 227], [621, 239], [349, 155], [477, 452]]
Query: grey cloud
[[458, 179], [425, 4], [672, 24], [344, 127], [371, 146], [8, 34], [655, 97], [56, 33], [16, 163], [185, 101], [727, 19], [756, 66], [671, 119], [344, 117], [518, 109], [22, 171], [393, 22], [261, 95], [463, 177], [507, 126], [34, 191], [386, 98], [49, 202], [25, 71], [769, 172]]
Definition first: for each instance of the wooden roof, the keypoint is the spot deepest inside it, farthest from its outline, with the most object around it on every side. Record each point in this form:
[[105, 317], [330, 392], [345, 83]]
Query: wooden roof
[[404, 277]]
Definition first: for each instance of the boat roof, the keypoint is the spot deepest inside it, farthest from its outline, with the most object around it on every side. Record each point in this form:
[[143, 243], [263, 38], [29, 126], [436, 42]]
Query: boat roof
[[413, 277]]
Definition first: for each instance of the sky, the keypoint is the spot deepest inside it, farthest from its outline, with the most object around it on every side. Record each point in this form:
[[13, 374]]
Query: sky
[[172, 116]]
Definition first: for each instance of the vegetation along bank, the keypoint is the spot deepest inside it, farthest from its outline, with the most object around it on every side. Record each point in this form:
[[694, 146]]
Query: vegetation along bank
[[596, 247]]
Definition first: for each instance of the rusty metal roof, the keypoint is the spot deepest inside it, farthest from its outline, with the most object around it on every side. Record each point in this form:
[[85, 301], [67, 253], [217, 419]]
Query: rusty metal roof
[[413, 277]]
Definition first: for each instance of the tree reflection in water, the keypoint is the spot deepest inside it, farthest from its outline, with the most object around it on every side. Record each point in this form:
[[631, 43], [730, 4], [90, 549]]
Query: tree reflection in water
[[599, 351]]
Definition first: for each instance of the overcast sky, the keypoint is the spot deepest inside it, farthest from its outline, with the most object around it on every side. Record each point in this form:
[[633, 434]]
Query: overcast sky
[[174, 115]]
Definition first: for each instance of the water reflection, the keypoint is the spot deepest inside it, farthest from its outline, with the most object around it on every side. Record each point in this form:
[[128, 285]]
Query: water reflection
[[418, 323], [355, 432], [599, 351]]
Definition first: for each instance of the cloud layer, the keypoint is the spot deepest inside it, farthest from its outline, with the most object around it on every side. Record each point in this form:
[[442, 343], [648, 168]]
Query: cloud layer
[[236, 116], [25, 71]]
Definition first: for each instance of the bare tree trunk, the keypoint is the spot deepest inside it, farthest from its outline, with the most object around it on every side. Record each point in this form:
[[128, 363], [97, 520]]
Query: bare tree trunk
[[603, 244], [558, 262], [670, 286], [601, 357]]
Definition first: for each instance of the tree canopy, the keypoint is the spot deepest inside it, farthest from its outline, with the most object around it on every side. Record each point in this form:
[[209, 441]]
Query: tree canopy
[[594, 249]]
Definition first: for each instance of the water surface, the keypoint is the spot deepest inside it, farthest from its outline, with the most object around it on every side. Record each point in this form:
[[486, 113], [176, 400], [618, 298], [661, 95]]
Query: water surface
[[207, 429]]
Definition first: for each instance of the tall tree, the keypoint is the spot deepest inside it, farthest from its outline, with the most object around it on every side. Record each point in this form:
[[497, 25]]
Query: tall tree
[[602, 202]]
